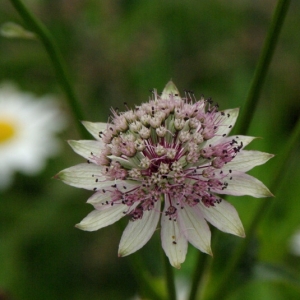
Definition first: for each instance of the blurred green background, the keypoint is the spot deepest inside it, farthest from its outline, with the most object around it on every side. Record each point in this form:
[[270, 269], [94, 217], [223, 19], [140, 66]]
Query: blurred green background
[[116, 51]]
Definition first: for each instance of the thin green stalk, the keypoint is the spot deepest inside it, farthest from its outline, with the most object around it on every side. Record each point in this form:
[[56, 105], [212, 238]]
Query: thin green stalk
[[242, 128], [55, 57], [143, 278], [202, 268], [198, 271], [262, 66], [169, 279]]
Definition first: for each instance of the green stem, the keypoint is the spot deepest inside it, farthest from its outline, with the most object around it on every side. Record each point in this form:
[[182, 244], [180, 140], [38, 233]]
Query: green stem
[[202, 267], [143, 278], [249, 109], [262, 66], [198, 272], [55, 57], [169, 278]]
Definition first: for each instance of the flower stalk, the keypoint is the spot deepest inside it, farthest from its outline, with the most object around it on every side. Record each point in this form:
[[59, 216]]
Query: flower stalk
[[56, 58], [169, 277], [263, 66], [249, 110]]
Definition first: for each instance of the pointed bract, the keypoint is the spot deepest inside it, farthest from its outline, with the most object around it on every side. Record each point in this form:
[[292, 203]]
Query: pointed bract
[[170, 90], [138, 233], [225, 217], [173, 240], [86, 149], [95, 129], [101, 218], [246, 160], [195, 228], [241, 184]]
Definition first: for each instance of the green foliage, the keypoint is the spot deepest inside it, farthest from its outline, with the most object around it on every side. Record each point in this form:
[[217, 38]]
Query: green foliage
[[116, 51]]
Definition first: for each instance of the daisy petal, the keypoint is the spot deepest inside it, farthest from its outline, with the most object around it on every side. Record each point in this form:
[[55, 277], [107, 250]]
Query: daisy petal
[[195, 228], [138, 232], [240, 184], [86, 148], [99, 219], [174, 242], [94, 128], [224, 217], [246, 160]]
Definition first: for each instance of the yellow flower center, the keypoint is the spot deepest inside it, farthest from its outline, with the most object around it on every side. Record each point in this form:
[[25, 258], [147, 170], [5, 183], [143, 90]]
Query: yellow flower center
[[7, 131]]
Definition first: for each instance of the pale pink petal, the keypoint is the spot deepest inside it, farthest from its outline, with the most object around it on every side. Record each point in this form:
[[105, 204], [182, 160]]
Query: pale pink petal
[[173, 240], [86, 148], [126, 163], [241, 140], [95, 128], [99, 219], [195, 228], [246, 160], [138, 232], [226, 125], [90, 177], [82, 176], [99, 199], [240, 184], [224, 217]]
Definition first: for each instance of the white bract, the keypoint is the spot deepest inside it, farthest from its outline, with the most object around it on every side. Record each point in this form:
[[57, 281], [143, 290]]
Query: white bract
[[27, 128], [168, 160]]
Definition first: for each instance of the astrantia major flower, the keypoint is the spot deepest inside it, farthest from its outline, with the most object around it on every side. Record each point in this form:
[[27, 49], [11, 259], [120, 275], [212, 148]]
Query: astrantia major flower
[[168, 160], [27, 128]]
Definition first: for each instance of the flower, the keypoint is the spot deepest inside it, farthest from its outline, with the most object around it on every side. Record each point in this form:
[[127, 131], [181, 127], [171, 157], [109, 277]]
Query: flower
[[27, 126], [172, 152]]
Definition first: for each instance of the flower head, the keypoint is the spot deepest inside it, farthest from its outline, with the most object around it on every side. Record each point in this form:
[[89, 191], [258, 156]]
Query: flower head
[[170, 152], [27, 128]]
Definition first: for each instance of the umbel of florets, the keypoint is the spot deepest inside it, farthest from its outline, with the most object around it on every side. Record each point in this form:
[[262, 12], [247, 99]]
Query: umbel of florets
[[170, 152]]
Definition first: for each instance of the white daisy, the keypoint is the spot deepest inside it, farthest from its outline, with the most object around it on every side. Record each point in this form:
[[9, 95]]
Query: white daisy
[[27, 128]]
